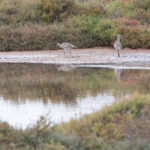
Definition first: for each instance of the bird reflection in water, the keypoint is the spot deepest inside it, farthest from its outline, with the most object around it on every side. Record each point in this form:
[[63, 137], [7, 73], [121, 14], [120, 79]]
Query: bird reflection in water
[[118, 73]]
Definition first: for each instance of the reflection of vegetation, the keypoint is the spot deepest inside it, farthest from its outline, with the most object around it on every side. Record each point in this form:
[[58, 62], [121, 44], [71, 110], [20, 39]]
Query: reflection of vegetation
[[123, 126], [38, 81]]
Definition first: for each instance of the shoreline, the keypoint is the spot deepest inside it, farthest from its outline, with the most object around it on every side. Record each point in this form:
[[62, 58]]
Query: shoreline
[[92, 57]]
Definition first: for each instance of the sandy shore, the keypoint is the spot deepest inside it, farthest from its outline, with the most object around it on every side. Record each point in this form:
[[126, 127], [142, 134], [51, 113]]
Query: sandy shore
[[100, 57]]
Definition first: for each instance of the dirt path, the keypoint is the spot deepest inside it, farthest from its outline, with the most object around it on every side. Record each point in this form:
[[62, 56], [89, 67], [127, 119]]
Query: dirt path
[[84, 57]]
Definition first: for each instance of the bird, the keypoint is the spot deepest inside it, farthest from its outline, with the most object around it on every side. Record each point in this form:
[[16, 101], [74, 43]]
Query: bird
[[66, 47], [118, 45]]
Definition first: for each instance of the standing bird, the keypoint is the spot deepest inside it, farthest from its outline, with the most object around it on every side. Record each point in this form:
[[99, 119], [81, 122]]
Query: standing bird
[[66, 47], [118, 45]]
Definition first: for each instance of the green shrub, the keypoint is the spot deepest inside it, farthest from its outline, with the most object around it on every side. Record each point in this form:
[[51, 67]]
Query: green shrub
[[105, 32], [127, 119], [53, 10], [93, 8], [14, 12], [142, 10], [81, 31], [115, 9], [94, 31], [134, 9]]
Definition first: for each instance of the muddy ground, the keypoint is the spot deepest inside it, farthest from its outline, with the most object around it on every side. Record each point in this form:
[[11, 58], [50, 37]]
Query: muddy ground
[[99, 57]]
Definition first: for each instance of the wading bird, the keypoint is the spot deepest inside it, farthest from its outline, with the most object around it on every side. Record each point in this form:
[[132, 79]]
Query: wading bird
[[118, 45], [66, 47]]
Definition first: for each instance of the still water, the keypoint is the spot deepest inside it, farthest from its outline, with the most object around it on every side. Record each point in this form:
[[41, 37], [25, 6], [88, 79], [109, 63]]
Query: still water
[[28, 91]]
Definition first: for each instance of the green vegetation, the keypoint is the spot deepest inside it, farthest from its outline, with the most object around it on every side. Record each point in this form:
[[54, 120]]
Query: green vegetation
[[40, 24], [124, 125], [126, 119]]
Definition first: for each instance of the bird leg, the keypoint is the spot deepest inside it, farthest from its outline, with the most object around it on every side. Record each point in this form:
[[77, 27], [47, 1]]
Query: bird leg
[[118, 53], [67, 51], [64, 52]]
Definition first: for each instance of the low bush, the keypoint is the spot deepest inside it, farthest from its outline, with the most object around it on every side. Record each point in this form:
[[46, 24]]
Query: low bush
[[38, 25], [134, 9], [135, 37], [129, 22], [56, 10], [82, 31], [13, 12], [91, 8], [142, 10]]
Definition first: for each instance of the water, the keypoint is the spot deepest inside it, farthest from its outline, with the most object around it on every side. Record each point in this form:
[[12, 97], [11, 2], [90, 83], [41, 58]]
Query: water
[[28, 91]]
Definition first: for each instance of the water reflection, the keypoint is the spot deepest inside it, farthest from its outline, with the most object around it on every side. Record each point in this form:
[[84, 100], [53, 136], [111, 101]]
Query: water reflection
[[26, 114], [118, 73], [28, 91]]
